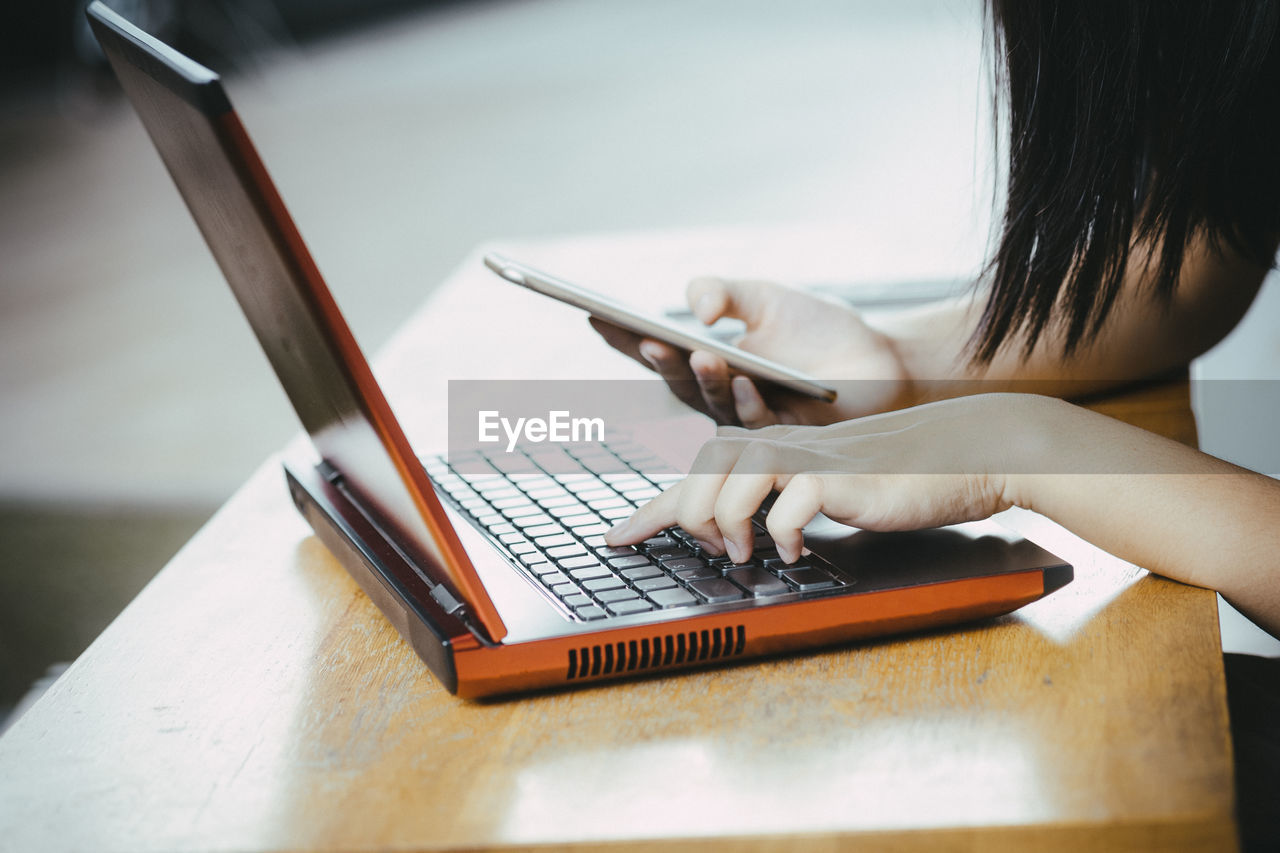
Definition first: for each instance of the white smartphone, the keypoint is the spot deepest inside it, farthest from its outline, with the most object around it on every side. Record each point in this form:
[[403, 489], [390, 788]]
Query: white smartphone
[[613, 311]]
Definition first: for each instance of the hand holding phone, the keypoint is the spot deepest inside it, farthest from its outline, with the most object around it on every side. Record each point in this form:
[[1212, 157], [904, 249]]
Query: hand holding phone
[[816, 336], [629, 319]]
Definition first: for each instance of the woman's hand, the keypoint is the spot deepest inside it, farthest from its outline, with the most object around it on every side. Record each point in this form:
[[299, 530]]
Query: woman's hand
[[936, 464], [821, 337]]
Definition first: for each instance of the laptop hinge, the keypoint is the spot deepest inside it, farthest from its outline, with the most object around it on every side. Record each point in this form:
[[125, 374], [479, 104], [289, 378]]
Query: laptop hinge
[[446, 599], [331, 474]]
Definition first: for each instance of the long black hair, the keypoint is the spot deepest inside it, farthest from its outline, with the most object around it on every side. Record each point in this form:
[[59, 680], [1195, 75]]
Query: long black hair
[[1144, 123]]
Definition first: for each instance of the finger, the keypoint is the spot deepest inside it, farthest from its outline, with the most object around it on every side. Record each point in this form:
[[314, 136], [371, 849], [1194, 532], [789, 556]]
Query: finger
[[751, 408], [623, 340], [796, 505], [701, 489], [712, 374], [652, 517], [673, 366], [697, 511], [740, 496], [713, 298]]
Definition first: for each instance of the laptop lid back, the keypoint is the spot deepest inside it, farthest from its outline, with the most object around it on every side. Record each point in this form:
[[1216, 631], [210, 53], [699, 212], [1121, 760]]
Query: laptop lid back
[[224, 183]]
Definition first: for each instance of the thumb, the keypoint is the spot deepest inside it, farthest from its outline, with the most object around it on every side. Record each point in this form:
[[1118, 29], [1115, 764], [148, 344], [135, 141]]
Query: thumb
[[712, 298]]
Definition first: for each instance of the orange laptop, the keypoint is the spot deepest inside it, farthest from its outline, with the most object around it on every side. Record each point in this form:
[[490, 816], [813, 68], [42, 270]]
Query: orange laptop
[[496, 572]]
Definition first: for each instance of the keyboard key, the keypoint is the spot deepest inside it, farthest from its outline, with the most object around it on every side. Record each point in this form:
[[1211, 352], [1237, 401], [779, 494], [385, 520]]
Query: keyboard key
[[490, 519], [531, 521], [550, 493], [553, 578], [593, 530], [532, 558], [566, 551], [617, 513], [579, 521], [567, 510], [605, 464], [594, 541], [514, 502], [639, 573], [598, 584], [630, 562], [579, 562], [524, 546], [595, 570], [715, 590], [641, 495], [580, 599], [564, 589], [596, 494], [539, 530], [633, 605], [652, 583], [608, 503], [609, 553], [610, 595], [503, 529], [807, 579], [678, 564], [698, 573], [757, 581], [670, 552], [509, 538], [521, 510], [591, 611], [659, 542], [554, 540], [673, 597]]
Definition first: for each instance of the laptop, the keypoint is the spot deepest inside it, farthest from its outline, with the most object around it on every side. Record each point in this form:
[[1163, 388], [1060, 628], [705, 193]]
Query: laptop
[[496, 571]]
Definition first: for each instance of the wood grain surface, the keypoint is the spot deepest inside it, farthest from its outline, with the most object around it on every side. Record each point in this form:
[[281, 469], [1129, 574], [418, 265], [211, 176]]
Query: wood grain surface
[[252, 698]]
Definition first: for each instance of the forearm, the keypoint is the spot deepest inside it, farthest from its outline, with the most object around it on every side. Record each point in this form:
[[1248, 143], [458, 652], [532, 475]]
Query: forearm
[[1170, 509]]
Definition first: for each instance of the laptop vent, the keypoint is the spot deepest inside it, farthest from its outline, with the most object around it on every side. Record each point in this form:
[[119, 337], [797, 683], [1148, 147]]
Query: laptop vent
[[656, 652]]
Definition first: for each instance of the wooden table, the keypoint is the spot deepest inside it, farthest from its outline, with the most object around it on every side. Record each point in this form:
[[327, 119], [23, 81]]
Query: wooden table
[[252, 698]]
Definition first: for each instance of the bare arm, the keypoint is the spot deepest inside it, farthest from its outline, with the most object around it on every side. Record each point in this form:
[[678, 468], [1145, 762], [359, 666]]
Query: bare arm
[[918, 355], [1142, 497]]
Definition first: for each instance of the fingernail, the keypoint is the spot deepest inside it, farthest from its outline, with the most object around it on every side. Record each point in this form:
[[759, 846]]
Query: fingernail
[[647, 350], [734, 550], [788, 556], [741, 393]]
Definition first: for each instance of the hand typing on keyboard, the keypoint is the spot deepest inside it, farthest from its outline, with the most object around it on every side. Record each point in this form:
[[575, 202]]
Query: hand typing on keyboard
[[926, 466], [549, 507]]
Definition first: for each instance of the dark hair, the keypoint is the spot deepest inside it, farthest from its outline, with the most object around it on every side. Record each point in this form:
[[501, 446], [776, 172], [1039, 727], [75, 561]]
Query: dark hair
[[1129, 122]]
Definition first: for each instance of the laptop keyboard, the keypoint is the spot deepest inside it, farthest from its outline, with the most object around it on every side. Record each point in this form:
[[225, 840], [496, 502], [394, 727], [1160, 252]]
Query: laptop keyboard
[[550, 506]]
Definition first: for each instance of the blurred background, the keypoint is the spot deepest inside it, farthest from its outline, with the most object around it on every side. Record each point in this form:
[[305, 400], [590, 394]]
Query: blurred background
[[403, 133]]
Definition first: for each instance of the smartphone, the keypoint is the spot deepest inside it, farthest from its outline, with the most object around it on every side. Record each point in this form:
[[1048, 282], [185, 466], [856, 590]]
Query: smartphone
[[619, 314]]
